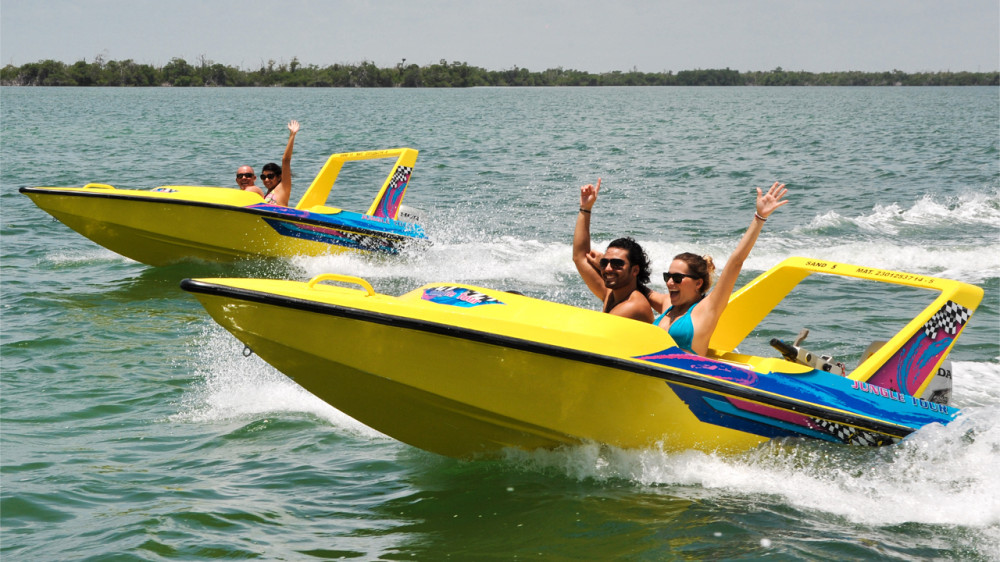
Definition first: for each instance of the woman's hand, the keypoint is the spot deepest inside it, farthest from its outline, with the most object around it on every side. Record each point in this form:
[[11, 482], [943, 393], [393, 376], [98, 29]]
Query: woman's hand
[[769, 202]]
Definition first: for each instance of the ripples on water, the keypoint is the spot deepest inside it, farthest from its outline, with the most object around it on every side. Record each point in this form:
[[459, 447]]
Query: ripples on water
[[134, 426]]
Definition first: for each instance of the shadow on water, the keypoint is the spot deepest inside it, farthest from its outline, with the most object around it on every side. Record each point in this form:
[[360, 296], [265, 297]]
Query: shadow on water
[[485, 510], [466, 510], [65, 309], [572, 505], [163, 282]]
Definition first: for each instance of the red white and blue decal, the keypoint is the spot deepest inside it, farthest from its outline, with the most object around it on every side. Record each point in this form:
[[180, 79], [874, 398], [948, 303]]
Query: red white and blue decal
[[457, 296]]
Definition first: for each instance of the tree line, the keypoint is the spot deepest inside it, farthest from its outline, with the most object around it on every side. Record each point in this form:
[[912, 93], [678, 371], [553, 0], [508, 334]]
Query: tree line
[[444, 74]]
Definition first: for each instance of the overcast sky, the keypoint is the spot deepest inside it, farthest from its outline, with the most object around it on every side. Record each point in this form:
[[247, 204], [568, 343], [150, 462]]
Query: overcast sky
[[590, 35]]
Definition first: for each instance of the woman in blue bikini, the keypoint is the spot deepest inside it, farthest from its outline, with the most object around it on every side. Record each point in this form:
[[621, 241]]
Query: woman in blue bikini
[[693, 312], [690, 312]]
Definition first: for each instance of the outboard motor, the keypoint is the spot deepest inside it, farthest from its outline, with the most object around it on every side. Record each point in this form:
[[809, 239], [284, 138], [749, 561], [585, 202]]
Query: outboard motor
[[939, 389], [410, 214]]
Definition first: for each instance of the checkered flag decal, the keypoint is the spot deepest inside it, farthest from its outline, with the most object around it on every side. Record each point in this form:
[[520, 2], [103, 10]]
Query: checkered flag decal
[[854, 436], [401, 176], [949, 318]]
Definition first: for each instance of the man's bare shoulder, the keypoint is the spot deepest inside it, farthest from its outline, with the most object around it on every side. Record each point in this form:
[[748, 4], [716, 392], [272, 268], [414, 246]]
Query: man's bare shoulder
[[636, 307]]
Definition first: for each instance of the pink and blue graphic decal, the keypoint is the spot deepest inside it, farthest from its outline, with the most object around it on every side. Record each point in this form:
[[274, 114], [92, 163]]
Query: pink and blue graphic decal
[[676, 357], [345, 220], [772, 422], [914, 362], [388, 206], [346, 229], [333, 236], [457, 296], [814, 404]]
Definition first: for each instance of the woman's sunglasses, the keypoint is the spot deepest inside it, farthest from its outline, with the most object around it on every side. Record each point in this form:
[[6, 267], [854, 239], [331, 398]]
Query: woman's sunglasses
[[676, 277], [615, 263], [267, 176]]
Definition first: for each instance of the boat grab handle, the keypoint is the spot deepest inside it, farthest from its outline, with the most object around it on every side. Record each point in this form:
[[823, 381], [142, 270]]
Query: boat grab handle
[[345, 278], [99, 185]]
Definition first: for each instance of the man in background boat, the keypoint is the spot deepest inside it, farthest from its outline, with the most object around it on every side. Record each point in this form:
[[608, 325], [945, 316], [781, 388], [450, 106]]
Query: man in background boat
[[624, 268], [245, 178]]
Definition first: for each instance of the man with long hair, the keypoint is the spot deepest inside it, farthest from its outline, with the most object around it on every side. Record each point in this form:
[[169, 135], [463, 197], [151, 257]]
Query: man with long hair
[[623, 272]]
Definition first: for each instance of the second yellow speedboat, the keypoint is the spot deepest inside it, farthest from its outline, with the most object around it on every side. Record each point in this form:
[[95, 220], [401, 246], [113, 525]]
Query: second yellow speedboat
[[176, 223]]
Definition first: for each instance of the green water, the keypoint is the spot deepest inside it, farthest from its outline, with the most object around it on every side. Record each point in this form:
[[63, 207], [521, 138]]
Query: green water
[[132, 427]]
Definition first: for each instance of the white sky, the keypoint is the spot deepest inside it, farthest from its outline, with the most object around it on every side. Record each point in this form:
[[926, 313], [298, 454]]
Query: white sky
[[590, 35]]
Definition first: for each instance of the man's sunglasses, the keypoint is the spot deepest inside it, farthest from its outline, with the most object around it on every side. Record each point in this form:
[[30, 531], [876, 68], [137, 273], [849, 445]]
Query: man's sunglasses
[[241, 176], [615, 263], [267, 176], [676, 277]]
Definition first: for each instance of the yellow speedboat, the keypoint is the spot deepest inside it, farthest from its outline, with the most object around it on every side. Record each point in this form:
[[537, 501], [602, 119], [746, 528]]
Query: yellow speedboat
[[465, 371], [175, 223]]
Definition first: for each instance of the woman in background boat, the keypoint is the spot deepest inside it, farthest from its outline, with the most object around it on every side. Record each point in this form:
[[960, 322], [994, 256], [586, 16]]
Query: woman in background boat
[[278, 179], [689, 312]]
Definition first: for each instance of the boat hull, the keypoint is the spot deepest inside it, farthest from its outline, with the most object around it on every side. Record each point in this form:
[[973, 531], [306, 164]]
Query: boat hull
[[464, 397], [469, 378], [182, 223]]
